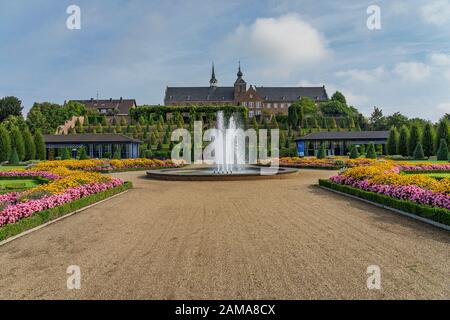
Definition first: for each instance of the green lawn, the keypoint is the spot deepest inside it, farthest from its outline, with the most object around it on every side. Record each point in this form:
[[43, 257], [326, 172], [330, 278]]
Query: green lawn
[[5, 168], [439, 175], [10, 185]]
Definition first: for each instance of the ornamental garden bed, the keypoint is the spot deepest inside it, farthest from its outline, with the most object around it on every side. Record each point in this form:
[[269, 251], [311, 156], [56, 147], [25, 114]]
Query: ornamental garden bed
[[382, 182], [433, 213]]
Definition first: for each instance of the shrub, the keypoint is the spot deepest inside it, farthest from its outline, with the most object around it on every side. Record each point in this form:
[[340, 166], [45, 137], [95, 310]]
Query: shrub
[[354, 153], [14, 158], [321, 153], [40, 145], [83, 155], [418, 152], [442, 153], [371, 154], [66, 154], [5, 144]]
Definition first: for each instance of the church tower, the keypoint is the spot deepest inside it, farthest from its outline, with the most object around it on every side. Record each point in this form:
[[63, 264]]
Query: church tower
[[213, 82], [240, 86]]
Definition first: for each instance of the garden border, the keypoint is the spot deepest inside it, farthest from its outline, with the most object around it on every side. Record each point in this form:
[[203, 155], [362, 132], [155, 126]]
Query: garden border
[[329, 185], [44, 218]]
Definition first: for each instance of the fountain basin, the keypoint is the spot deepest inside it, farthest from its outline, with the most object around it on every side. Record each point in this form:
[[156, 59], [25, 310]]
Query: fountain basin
[[211, 174]]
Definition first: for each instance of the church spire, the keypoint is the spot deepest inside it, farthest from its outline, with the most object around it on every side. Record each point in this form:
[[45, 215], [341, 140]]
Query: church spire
[[213, 82], [240, 74]]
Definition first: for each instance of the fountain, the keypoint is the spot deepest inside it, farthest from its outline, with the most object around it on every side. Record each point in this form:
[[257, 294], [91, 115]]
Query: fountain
[[229, 158]]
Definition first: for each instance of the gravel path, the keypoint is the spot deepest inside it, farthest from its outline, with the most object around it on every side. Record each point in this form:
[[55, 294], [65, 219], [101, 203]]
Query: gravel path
[[274, 239]]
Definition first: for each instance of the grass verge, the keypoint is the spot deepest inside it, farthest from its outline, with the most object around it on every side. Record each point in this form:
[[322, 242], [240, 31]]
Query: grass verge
[[42, 217], [436, 214]]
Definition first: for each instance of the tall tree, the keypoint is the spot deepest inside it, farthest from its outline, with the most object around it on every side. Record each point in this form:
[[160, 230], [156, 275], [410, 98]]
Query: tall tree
[[30, 148], [40, 145], [392, 142], [10, 106], [5, 144], [403, 141], [17, 142], [442, 132], [338, 96], [377, 120], [428, 140], [414, 138], [442, 153]]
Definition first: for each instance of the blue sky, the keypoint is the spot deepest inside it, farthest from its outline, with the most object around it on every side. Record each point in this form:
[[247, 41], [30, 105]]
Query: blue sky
[[135, 48]]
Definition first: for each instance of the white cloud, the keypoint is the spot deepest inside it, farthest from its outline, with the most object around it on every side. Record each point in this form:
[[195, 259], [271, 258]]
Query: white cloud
[[436, 12], [362, 75], [440, 59], [286, 41], [412, 71]]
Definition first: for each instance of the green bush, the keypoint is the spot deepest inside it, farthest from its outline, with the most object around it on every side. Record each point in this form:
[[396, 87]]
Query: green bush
[[66, 154], [354, 153], [14, 158], [418, 152], [371, 154], [436, 214], [442, 153], [83, 155], [321, 153]]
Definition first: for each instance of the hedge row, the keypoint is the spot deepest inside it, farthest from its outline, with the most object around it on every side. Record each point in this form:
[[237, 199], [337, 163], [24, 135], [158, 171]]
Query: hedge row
[[311, 167], [42, 217], [425, 171], [436, 214]]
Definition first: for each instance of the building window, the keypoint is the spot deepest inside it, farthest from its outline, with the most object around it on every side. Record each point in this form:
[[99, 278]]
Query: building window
[[258, 113], [244, 103], [250, 104], [282, 105], [275, 105], [250, 114], [269, 105], [258, 104]]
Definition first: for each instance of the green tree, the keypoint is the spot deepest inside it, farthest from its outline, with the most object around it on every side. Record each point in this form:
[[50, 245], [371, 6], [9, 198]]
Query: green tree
[[392, 142], [414, 138], [371, 154], [14, 159], [428, 140], [10, 106], [82, 154], [403, 141], [338, 96], [40, 145], [442, 153], [377, 120], [65, 154], [17, 142], [5, 144], [442, 131], [418, 152], [354, 152], [30, 148]]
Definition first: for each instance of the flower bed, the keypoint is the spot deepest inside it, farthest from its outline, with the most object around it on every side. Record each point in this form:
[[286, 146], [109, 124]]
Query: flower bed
[[384, 178], [106, 165], [327, 163], [59, 186]]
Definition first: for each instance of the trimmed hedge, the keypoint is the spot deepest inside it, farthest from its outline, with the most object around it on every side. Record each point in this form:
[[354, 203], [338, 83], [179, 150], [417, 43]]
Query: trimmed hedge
[[436, 214], [42, 217]]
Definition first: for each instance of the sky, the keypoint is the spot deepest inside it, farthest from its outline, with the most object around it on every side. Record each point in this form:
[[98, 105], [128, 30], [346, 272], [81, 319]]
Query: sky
[[135, 48]]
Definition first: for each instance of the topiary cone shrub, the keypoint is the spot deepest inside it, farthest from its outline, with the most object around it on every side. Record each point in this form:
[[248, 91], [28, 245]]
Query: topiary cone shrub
[[418, 152], [354, 152], [14, 158], [321, 153], [442, 153], [371, 154]]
